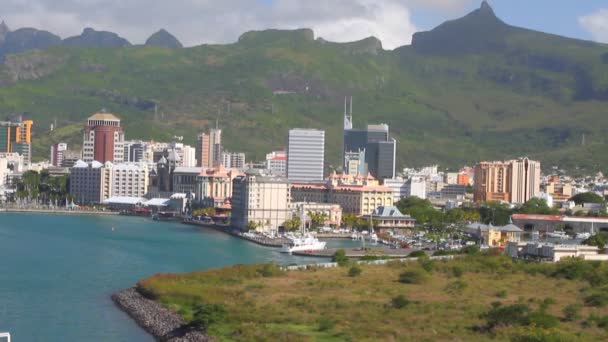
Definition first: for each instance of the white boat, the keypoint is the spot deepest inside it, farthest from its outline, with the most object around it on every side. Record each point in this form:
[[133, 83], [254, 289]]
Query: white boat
[[583, 236], [303, 244], [557, 235], [373, 237], [354, 236]]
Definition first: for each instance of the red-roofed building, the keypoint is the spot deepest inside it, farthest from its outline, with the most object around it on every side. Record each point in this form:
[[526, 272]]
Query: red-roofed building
[[550, 223]]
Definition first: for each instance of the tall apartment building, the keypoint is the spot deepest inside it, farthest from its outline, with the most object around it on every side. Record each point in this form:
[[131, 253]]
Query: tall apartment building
[[129, 179], [189, 156], [233, 160], [260, 198], [305, 155], [103, 139], [134, 151], [57, 153], [276, 163], [209, 148], [90, 183], [16, 137], [515, 181]]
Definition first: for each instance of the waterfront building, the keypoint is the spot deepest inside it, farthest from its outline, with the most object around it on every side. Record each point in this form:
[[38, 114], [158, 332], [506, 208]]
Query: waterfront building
[[214, 185], [333, 212], [276, 163], [234, 160], [184, 179], [389, 217], [57, 151], [129, 179], [261, 199], [209, 148], [357, 195], [3, 171], [90, 183], [515, 181], [103, 139], [305, 155], [16, 137]]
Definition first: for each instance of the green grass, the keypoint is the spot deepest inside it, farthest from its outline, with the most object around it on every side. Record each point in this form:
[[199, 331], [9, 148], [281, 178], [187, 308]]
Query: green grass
[[263, 303]]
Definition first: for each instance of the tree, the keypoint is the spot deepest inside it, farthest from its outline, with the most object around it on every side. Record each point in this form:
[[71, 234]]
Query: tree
[[207, 314], [537, 206], [420, 209], [252, 225], [495, 213], [317, 219], [349, 220], [293, 224], [587, 197]]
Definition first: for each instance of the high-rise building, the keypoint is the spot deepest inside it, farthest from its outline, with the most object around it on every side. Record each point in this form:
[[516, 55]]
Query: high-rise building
[[16, 137], [515, 181], [261, 199], [380, 149], [354, 163], [134, 151], [129, 179], [305, 155], [57, 153], [234, 160], [276, 163], [525, 180], [188, 156], [103, 139], [209, 148]]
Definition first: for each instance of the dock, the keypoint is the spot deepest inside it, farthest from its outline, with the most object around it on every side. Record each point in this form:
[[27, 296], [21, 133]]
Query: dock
[[260, 240], [379, 251]]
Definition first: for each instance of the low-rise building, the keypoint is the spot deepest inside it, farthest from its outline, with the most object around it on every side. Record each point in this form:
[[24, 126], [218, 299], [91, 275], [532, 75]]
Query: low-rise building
[[495, 236], [261, 199], [333, 212], [389, 217], [185, 179], [554, 253]]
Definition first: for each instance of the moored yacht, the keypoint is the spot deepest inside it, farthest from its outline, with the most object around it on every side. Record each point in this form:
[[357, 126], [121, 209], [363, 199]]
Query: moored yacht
[[304, 243]]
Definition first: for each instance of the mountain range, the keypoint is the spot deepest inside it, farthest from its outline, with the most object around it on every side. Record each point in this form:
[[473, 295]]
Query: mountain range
[[471, 89]]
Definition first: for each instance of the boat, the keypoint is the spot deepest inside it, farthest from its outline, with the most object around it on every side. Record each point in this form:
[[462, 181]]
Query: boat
[[583, 236], [557, 235], [354, 236], [304, 243]]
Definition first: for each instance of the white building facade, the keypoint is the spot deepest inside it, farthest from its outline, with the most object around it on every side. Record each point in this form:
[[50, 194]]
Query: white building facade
[[306, 155]]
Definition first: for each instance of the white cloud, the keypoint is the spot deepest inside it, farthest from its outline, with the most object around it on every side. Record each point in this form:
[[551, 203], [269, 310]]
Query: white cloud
[[210, 21], [596, 24]]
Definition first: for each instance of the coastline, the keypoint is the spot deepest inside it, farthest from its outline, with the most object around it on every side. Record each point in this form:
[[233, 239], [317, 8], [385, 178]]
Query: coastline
[[58, 211], [160, 322]]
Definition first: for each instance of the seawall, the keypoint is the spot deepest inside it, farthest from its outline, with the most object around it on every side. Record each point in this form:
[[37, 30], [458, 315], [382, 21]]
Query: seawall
[[160, 322], [59, 211]]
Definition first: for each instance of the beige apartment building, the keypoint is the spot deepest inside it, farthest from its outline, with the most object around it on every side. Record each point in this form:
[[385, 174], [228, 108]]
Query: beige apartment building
[[514, 181], [260, 198], [214, 185], [129, 179]]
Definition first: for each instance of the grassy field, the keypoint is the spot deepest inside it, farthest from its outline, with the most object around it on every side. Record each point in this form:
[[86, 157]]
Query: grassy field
[[472, 298]]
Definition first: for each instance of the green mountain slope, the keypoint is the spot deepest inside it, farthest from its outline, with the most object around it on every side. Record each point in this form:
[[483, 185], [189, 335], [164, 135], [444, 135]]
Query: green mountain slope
[[494, 91]]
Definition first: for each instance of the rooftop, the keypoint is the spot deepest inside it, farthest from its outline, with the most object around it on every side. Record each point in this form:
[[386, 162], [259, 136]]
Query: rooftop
[[103, 116]]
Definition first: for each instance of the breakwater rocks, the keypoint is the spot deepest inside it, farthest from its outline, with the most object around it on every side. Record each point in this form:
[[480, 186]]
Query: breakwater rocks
[[162, 323]]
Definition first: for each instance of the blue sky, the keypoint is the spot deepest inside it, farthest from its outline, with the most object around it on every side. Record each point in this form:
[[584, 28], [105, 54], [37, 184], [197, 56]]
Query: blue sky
[[211, 21]]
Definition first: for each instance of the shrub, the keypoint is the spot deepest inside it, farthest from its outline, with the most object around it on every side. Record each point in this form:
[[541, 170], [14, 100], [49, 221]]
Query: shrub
[[543, 320], [341, 258], [417, 254], [457, 271], [573, 269], [446, 252], [456, 286], [400, 302], [501, 294], [270, 270], [427, 264], [412, 277], [326, 324], [354, 271], [572, 312], [597, 299], [471, 250], [499, 315], [207, 314]]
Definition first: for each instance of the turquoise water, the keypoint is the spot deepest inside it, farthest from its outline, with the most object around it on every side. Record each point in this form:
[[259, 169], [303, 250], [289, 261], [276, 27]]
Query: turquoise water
[[57, 272]]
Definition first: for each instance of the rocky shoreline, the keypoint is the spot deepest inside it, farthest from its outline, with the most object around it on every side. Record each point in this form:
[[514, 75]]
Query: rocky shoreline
[[162, 323]]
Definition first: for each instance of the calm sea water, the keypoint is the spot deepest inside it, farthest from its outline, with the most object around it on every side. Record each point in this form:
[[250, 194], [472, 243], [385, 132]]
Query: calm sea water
[[57, 272]]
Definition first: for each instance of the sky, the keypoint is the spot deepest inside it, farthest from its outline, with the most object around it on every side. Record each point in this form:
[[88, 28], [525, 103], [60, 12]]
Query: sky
[[196, 22]]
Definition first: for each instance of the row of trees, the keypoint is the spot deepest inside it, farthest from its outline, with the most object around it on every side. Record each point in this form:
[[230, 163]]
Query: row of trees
[[42, 189]]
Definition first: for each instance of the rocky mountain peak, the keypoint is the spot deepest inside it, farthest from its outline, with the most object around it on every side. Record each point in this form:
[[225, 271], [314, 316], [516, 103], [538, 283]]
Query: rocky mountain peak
[[163, 38]]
